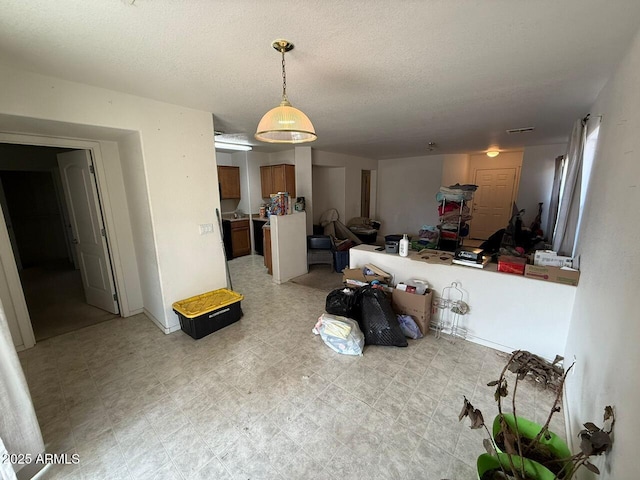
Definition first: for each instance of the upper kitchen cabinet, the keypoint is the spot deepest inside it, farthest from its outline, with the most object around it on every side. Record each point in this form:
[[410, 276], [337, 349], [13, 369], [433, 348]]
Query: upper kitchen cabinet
[[278, 178], [229, 180]]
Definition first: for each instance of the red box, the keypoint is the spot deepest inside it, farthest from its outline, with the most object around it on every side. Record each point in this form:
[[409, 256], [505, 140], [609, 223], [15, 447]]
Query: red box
[[509, 264]]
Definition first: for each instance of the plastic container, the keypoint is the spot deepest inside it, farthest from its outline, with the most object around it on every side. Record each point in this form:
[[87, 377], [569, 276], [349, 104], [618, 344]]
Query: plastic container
[[421, 285], [206, 313], [341, 260], [391, 247], [404, 246]]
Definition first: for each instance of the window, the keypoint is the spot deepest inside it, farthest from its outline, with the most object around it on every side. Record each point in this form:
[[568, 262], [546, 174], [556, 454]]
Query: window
[[587, 165], [571, 182]]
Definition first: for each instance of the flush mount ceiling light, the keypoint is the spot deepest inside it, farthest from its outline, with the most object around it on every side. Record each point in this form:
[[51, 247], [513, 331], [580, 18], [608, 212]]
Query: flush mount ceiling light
[[493, 153], [285, 124]]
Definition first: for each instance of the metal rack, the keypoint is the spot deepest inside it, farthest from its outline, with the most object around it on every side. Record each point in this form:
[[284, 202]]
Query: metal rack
[[451, 306], [462, 217]]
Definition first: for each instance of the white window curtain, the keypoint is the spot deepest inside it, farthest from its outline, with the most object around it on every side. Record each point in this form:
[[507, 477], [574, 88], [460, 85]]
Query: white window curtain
[[569, 209], [554, 202], [19, 427]]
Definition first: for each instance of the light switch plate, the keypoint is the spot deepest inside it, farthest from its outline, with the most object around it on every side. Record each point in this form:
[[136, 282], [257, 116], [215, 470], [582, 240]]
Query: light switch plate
[[206, 228]]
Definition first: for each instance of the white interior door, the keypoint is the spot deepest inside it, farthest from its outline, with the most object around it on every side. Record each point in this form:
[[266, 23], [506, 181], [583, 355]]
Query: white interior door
[[90, 240], [492, 201], [12, 234]]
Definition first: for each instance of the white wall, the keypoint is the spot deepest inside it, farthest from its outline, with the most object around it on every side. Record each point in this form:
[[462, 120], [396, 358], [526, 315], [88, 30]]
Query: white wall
[[407, 190], [501, 315], [304, 182], [538, 165], [178, 161], [455, 169], [224, 158], [353, 178], [285, 156], [240, 160], [604, 330], [328, 191], [254, 161], [143, 261]]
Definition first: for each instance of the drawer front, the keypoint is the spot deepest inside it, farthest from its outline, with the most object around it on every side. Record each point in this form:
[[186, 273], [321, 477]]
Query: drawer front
[[240, 225]]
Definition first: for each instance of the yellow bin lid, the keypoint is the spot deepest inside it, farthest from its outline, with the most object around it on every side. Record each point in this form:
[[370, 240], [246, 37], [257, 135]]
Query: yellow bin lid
[[207, 302]]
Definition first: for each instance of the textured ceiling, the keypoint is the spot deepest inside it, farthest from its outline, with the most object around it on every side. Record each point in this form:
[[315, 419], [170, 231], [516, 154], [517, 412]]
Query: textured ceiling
[[378, 78]]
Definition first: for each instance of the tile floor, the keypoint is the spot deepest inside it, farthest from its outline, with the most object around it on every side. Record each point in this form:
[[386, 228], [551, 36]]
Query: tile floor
[[261, 399]]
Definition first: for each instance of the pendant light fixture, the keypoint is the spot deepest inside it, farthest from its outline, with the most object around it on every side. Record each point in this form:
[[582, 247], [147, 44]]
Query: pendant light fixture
[[285, 124]]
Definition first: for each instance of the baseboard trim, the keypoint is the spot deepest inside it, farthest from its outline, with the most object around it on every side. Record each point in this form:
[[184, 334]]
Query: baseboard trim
[[165, 330]]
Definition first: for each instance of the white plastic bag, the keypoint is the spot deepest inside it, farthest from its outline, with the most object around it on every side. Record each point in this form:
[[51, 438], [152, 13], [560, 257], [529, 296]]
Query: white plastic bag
[[341, 334], [409, 327]]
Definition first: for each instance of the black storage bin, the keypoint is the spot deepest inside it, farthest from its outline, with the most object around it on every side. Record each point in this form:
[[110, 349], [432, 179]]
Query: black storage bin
[[341, 260], [204, 314]]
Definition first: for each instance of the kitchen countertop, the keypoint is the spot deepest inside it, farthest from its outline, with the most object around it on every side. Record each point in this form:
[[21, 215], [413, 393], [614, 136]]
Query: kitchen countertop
[[232, 219], [255, 216]]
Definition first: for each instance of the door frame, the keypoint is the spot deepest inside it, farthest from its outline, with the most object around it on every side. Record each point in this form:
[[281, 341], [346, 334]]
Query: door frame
[[494, 166], [7, 259]]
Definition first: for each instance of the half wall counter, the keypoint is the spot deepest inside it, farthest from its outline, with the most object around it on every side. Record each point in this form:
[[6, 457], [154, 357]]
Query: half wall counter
[[506, 312]]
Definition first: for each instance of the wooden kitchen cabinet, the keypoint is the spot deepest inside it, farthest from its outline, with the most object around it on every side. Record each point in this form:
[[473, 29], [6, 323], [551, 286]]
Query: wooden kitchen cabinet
[[278, 178], [266, 181], [267, 249], [229, 180], [240, 238]]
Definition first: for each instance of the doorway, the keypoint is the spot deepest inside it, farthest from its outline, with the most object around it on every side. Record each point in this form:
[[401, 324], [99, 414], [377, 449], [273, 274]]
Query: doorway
[[43, 227], [492, 202], [365, 194]]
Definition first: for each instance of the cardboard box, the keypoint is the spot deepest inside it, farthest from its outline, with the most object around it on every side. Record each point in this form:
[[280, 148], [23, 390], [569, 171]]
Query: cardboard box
[[418, 306], [551, 259], [564, 275], [355, 277], [510, 264]]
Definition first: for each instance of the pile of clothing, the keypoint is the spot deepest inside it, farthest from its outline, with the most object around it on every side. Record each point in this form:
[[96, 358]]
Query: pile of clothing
[[453, 211]]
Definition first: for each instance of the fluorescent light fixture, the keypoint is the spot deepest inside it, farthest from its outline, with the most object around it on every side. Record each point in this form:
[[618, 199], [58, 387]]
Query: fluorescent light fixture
[[233, 146]]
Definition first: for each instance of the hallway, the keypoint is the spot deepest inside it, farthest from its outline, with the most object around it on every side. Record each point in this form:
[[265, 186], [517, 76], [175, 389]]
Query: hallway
[[56, 301]]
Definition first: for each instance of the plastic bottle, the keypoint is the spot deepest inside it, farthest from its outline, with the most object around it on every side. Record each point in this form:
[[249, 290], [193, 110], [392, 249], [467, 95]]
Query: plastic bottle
[[404, 246]]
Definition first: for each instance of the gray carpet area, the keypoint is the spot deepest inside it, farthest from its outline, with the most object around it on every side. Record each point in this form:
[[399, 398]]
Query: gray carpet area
[[320, 277]]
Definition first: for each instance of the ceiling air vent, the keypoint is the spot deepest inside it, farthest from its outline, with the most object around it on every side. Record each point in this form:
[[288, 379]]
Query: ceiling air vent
[[521, 130]]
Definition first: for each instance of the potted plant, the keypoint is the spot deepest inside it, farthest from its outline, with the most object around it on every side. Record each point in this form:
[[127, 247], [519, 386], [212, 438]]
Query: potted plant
[[520, 449]]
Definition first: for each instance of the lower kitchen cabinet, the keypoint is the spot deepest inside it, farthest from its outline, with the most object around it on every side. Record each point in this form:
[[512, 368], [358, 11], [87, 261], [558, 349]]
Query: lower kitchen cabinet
[[240, 238]]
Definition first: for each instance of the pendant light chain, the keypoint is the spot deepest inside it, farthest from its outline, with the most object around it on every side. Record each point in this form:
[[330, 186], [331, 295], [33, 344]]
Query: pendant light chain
[[284, 78]]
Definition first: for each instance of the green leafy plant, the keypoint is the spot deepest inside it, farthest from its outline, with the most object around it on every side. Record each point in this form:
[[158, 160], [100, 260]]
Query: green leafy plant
[[513, 441]]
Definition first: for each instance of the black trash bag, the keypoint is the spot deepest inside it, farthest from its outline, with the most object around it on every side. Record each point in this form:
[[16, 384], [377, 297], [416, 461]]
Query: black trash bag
[[377, 320], [341, 301]]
